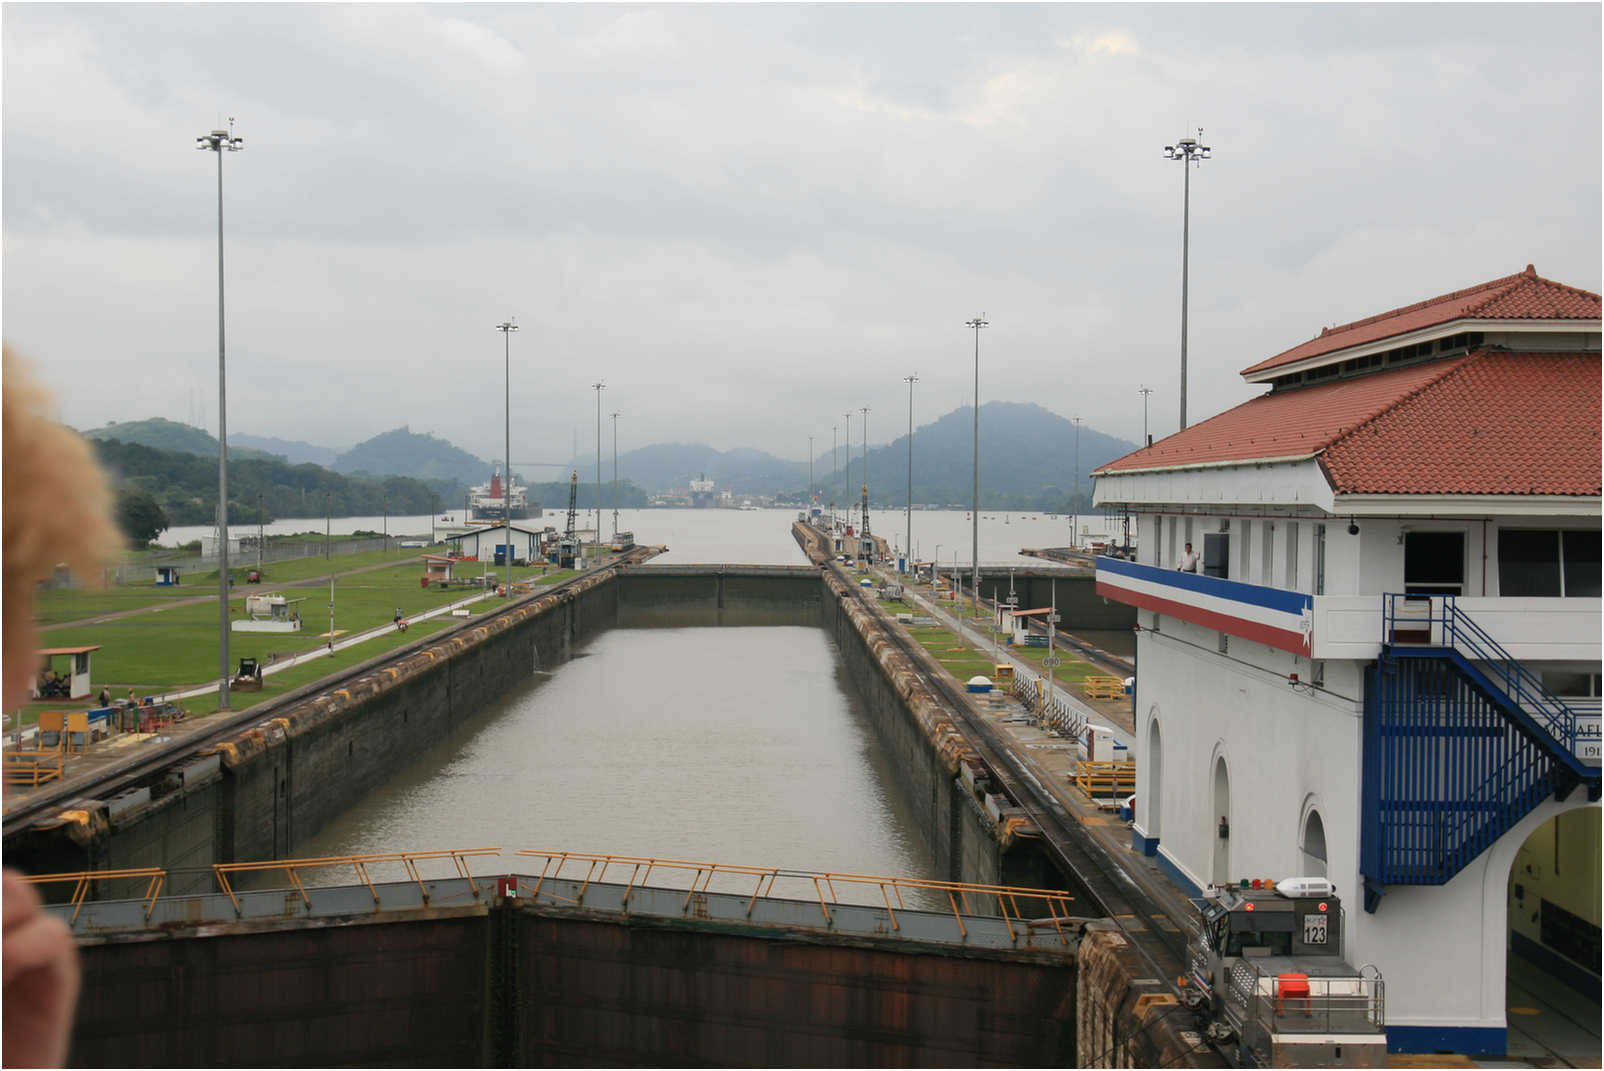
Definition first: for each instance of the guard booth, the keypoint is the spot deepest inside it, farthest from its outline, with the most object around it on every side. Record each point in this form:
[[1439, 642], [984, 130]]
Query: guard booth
[[166, 576], [63, 673], [1019, 625], [437, 569]]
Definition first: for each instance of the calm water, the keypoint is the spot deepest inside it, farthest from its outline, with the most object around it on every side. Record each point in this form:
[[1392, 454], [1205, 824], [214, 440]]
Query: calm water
[[756, 537], [735, 745]]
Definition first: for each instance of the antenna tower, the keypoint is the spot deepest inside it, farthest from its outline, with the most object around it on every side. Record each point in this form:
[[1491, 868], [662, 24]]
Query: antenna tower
[[573, 502]]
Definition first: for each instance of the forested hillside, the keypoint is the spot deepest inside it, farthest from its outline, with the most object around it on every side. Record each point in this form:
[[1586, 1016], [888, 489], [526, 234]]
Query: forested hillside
[[185, 485], [170, 435]]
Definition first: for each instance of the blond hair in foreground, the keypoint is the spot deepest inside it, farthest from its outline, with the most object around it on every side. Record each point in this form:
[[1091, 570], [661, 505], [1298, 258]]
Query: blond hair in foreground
[[57, 509]]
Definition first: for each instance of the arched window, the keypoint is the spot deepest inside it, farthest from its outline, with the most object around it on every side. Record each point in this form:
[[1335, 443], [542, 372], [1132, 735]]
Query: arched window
[[1314, 845], [1152, 815]]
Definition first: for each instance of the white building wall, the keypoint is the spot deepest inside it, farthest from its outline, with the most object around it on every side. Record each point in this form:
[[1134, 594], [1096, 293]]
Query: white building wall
[[1207, 704], [1441, 948]]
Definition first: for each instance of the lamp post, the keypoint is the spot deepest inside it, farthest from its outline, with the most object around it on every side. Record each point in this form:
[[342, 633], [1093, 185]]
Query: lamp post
[[976, 324], [846, 423], [1074, 499], [599, 387], [835, 471], [328, 524], [1144, 392], [1187, 151], [507, 327], [615, 476], [911, 380], [810, 479], [865, 411], [221, 141]]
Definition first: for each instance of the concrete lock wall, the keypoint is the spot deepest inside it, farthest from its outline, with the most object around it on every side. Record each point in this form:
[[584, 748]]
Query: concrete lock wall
[[265, 791], [594, 992], [507, 984], [262, 792]]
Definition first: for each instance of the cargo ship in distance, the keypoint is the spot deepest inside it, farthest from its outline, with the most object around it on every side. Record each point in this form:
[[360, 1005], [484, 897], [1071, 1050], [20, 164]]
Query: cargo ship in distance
[[485, 501]]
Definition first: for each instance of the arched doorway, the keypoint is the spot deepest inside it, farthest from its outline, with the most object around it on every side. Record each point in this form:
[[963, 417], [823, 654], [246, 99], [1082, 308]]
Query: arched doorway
[[1152, 813], [1313, 845], [1552, 963], [1222, 816]]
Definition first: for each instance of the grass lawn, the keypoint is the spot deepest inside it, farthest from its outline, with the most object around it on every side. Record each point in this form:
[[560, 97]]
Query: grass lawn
[[155, 655], [174, 646], [963, 661], [54, 607]]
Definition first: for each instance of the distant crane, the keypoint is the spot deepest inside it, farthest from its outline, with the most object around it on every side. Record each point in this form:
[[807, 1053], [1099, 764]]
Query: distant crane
[[573, 502], [864, 534]]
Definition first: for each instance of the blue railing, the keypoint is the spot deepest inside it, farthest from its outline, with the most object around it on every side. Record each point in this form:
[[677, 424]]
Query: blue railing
[[1455, 629]]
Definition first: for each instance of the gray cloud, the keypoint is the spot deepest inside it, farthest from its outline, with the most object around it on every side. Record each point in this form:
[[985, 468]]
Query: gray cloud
[[749, 219]]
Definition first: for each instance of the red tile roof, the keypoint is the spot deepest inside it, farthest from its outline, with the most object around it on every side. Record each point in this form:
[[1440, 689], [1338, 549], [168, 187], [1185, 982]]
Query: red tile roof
[[1493, 422], [1524, 296], [1293, 423], [1499, 424]]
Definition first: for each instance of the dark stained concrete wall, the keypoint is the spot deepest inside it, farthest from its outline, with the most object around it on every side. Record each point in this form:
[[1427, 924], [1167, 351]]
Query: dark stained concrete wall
[[413, 993], [645, 599], [515, 985], [599, 993]]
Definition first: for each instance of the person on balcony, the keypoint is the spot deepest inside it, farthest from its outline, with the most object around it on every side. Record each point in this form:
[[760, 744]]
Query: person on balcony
[[1188, 562]]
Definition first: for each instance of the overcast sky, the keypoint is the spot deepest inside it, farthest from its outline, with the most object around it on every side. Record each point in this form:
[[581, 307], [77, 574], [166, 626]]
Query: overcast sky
[[749, 220]]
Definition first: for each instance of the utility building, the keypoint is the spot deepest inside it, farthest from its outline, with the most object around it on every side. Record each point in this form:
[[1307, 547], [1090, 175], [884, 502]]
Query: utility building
[[489, 544], [1385, 669]]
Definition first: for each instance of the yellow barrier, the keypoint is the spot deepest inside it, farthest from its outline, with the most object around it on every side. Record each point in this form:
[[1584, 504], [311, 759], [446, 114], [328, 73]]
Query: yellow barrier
[[1100, 687], [83, 878], [32, 768], [823, 883], [1106, 778], [409, 860]]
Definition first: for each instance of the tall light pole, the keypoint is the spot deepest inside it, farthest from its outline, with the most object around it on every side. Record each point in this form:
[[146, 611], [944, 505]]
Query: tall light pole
[[1144, 392], [507, 327], [1074, 499], [1187, 151], [911, 380], [615, 476], [810, 479], [599, 386], [865, 412], [847, 424], [221, 141], [835, 469], [976, 324]]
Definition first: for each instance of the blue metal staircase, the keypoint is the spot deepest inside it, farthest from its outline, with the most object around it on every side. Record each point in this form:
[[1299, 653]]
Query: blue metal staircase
[[1461, 741]]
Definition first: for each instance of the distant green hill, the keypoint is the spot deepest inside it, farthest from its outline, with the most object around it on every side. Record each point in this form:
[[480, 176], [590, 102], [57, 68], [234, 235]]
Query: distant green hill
[[1027, 461], [161, 434], [185, 484], [294, 451], [402, 452]]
